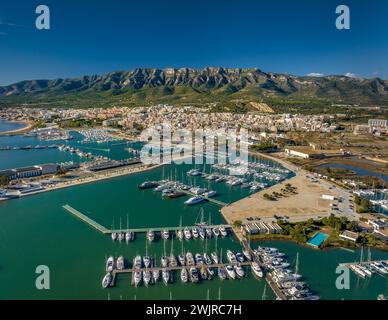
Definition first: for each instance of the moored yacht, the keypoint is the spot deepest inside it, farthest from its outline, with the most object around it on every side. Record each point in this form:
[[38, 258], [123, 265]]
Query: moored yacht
[[257, 270], [114, 236], [137, 264], [247, 255], [147, 277], [164, 261], [194, 200], [194, 277], [147, 261], [151, 235], [190, 259], [195, 233], [181, 259], [230, 272], [239, 257], [223, 231], [120, 263], [198, 259], [179, 234], [231, 256], [184, 275], [207, 259], [221, 273], [215, 257], [172, 261], [201, 232], [110, 264], [106, 281], [208, 232], [166, 276], [216, 232], [155, 275], [137, 277], [239, 271], [120, 236], [187, 233], [165, 234]]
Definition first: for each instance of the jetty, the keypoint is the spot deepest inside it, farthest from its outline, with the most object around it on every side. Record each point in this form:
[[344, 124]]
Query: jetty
[[94, 224]]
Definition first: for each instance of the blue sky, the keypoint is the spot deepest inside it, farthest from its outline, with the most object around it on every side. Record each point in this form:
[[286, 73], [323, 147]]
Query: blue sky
[[95, 37]]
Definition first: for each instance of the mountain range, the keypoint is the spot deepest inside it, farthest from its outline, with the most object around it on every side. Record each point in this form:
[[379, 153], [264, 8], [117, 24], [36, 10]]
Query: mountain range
[[186, 85]]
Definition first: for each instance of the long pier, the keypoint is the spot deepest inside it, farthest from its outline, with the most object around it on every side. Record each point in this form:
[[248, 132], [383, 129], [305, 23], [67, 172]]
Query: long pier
[[105, 230]]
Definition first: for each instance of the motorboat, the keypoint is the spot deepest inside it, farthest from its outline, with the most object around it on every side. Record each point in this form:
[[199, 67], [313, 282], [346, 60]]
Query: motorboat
[[194, 200], [231, 256], [155, 275], [256, 269], [181, 259], [180, 234], [147, 185], [195, 233], [137, 262], [151, 235], [208, 232], [216, 232], [239, 271], [223, 231], [230, 271], [114, 236], [106, 281], [202, 233], [165, 234], [120, 263], [247, 255], [239, 257], [172, 261], [110, 264]]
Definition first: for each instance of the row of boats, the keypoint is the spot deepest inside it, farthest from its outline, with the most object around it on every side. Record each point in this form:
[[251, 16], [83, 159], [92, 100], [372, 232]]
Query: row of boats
[[193, 268], [81, 154], [288, 281], [368, 269], [196, 232]]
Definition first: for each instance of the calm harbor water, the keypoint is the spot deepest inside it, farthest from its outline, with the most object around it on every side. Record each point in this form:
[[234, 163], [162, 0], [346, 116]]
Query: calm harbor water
[[9, 125], [37, 231]]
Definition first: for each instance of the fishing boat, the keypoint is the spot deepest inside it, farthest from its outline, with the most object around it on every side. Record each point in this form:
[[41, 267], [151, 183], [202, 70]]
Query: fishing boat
[[187, 233], [166, 276], [194, 276], [184, 275], [147, 277], [230, 272], [137, 277], [215, 257], [120, 263], [256, 269], [107, 280], [151, 235], [239, 271], [110, 264]]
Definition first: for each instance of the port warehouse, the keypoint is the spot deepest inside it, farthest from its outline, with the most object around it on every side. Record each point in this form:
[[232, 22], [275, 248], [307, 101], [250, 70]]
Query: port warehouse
[[261, 228], [307, 153]]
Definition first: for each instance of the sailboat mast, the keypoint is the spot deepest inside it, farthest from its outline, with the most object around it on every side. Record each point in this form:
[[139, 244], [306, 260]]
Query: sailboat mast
[[297, 263]]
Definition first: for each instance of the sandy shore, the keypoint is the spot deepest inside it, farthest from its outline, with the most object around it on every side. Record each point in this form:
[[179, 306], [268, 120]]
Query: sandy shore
[[307, 203], [28, 126]]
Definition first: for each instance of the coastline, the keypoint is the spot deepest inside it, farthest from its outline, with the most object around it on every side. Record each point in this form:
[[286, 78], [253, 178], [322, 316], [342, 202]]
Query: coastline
[[28, 126]]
